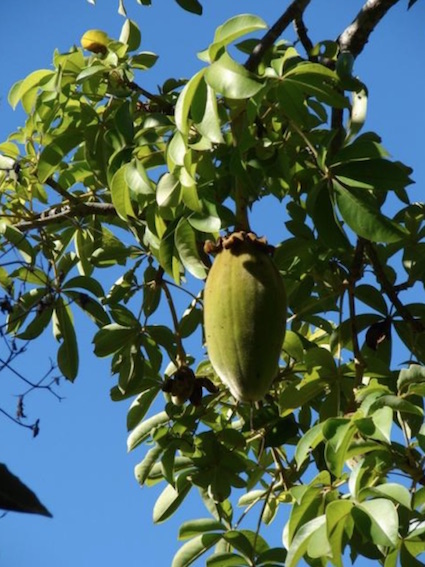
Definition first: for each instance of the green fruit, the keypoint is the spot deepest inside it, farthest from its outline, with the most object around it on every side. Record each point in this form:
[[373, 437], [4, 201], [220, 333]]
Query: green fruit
[[245, 316]]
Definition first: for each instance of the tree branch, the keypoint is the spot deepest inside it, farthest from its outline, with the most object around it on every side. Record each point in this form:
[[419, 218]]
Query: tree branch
[[295, 10], [60, 212], [302, 33], [390, 291], [356, 35]]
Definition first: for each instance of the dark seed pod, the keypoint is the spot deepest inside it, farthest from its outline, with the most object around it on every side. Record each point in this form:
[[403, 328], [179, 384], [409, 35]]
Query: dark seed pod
[[377, 333]]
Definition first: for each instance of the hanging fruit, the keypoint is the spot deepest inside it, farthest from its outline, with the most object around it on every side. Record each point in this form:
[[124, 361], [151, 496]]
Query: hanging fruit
[[244, 314]]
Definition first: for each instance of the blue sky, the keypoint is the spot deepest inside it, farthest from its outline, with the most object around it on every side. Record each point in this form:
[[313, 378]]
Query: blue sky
[[78, 465]]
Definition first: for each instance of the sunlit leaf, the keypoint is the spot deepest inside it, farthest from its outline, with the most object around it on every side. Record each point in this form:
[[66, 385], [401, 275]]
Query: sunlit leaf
[[378, 521], [231, 79], [186, 245], [169, 500], [194, 549]]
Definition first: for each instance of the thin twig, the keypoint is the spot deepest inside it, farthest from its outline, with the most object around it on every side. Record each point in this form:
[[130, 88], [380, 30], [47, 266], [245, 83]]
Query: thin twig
[[296, 8], [181, 353], [302, 33], [59, 212], [416, 325], [354, 276], [53, 184]]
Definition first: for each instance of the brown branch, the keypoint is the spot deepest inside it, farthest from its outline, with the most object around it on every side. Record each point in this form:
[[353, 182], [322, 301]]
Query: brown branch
[[356, 35], [302, 33], [53, 184], [163, 104], [60, 212], [390, 290], [295, 10]]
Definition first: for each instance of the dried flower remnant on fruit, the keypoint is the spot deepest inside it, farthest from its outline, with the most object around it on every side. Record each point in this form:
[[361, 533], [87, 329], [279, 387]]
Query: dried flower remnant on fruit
[[183, 385]]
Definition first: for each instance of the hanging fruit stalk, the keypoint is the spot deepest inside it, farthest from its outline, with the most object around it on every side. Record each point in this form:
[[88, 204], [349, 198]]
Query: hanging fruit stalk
[[244, 315]]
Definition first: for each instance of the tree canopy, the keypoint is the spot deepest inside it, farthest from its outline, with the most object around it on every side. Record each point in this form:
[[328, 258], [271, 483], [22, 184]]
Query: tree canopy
[[107, 180]]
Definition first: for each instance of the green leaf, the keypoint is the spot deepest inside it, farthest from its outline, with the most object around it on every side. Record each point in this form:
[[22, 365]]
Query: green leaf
[[377, 520], [337, 513], [231, 79], [308, 441], [339, 432], [293, 345], [144, 429], [192, 6], [68, 350], [18, 239], [140, 407], [373, 174], [113, 338], [318, 87], [300, 543], [372, 297], [120, 194], [415, 374], [91, 307], [37, 325], [184, 102], [408, 558], [19, 89], [144, 60], [17, 497], [396, 404], [176, 151], [53, 154], [142, 469], [168, 191], [130, 35], [193, 549], [226, 560], [193, 528], [233, 29], [321, 209], [239, 542], [391, 490], [169, 500], [205, 114], [186, 244], [365, 219], [85, 282]]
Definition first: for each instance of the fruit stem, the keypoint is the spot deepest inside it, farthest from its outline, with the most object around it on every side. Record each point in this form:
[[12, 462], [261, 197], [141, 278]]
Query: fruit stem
[[181, 353], [241, 200], [241, 212]]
